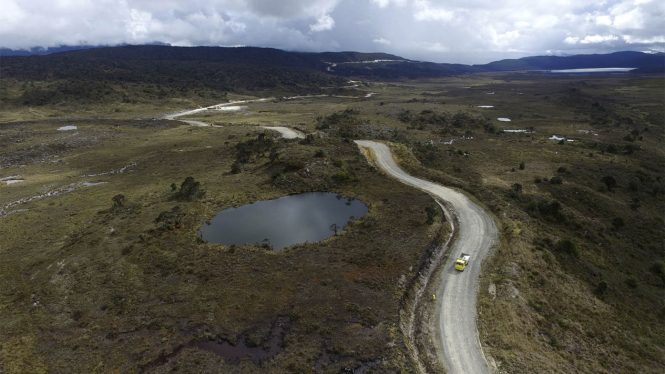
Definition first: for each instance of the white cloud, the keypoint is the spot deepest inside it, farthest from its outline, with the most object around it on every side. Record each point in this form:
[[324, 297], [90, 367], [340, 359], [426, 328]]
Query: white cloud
[[424, 11], [322, 24], [385, 3], [635, 40], [382, 41], [598, 39]]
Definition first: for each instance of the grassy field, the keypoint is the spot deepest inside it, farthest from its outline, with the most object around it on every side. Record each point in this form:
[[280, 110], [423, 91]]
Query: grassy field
[[577, 285]]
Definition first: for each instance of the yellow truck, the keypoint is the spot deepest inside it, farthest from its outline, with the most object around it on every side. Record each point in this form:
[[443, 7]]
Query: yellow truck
[[462, 261]]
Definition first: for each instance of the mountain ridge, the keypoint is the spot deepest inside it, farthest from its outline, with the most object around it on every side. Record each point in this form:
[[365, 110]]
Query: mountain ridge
[[382, 64]]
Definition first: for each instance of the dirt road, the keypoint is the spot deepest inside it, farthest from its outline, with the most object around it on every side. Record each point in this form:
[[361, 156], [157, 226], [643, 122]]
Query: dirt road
[[221, 107], [287, 133], [460, 349]]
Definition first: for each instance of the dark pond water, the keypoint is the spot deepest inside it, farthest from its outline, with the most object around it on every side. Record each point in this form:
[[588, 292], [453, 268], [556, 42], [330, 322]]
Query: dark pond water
[[285, 221]]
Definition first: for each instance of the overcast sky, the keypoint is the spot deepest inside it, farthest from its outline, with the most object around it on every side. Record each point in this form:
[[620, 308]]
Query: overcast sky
[[467, 31]]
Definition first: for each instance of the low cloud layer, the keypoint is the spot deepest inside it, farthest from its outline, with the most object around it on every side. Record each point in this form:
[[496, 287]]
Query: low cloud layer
[[470, 31]]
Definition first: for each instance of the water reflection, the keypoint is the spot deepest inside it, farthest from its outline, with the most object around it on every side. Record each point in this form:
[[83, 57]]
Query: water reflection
[[285, 221]]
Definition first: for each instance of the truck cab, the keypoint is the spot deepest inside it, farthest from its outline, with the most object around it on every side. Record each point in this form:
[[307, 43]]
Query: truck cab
[[462, 261]]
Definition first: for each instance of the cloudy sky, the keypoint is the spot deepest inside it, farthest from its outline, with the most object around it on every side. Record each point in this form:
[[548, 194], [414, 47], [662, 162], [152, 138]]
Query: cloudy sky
[[467, 31]]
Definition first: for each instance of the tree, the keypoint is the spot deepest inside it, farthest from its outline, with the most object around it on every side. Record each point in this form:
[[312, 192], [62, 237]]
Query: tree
[[334, 228]]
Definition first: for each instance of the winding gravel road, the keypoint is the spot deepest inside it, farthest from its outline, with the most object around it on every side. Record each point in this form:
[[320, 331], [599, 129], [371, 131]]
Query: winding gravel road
[[456, 297]]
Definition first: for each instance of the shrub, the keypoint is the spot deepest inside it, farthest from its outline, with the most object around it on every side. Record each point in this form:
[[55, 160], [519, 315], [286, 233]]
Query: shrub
[[522, 165], [432, 212], [294, 165], [341, 176], [631, 148], [631, 281], [601, 288], [309, 139], [552, 208], [567, 246], [170, 220], [562, 169], [254, 148], [658, 267], [236, 168], [320, 153], [338, 162], [537, 180], [612, 149], [618, 222], [118, 201], [556, 180], [190, 190], [610, 182]]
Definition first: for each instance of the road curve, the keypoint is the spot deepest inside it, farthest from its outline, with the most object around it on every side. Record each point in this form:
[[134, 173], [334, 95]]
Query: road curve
[[287, 133], [456, 296]]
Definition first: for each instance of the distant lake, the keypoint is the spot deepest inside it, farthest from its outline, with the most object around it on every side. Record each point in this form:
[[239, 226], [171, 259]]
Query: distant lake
[[593, 71], [284, 221]]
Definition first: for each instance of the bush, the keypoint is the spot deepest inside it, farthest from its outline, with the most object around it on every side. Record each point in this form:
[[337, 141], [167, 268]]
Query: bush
[[658, 267], [612, 149], [432, 212], [118, 201], [618, 222], [562, 169], [170, 220], [537, 180], [320, 153], [522, 165], [631, 282], [610, 182], [552, 208], [190, 190], [236, 168], [338, 162], [601, 288], [556, 180], [567, 246], [341, 176]]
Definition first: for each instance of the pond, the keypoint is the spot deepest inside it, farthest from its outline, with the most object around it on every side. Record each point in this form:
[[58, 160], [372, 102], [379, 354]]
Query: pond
[[285, 221]]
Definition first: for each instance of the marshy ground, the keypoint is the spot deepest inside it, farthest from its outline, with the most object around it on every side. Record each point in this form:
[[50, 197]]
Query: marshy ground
[[92, 284]]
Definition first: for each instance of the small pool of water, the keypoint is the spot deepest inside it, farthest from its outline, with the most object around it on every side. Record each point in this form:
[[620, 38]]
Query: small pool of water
[[284, 221]]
